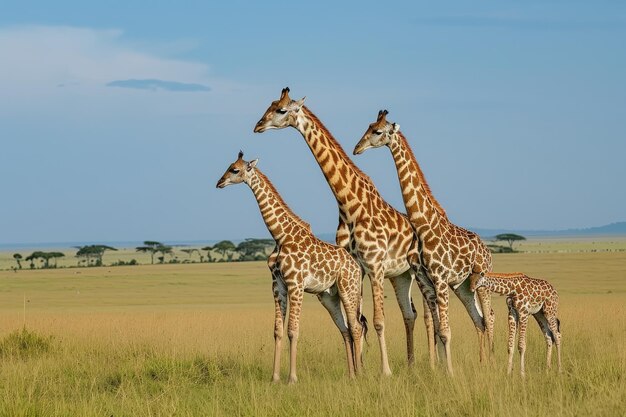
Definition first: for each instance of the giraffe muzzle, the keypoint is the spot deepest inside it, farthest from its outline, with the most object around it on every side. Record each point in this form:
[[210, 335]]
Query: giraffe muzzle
[[258, 128]]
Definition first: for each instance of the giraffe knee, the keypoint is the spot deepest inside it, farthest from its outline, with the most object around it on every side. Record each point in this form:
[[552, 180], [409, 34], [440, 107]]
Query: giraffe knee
[[379, 326]]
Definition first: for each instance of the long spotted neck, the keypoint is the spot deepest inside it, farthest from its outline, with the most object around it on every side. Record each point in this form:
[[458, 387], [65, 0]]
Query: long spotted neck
[[502, 286], [347, 182], [278, 217], [423, 210]]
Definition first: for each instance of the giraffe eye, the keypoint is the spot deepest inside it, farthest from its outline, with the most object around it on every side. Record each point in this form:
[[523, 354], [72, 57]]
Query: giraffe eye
[[281, 111], [378, 132], [234, 171]]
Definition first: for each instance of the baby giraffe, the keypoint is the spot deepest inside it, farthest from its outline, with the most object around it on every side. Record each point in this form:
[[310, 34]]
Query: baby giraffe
[[525, 296], [303, 263]]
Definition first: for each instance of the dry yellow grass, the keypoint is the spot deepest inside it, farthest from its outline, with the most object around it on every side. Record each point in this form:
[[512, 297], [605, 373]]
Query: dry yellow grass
[[196, 339]]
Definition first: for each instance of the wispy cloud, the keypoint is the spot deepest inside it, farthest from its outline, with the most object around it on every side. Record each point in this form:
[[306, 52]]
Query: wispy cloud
[[36, 60], [154, 85]]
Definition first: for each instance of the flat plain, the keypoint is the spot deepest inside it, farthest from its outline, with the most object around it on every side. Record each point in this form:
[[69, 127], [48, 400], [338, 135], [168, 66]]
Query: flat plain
[[197, 339]]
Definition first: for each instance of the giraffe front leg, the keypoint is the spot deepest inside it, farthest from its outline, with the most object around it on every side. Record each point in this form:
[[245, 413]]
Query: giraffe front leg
[[296, 293], [377, 280], [402, 287], [523, 322], [280, 307], [512, 317], [444, 325]]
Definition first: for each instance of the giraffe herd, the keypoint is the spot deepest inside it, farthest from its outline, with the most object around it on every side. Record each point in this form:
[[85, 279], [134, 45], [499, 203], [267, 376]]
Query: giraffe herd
[[376, 241]]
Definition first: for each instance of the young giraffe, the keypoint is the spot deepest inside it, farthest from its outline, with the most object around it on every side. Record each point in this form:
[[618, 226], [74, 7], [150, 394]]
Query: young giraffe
[[449, 253], [525, 296], [303, 263], [376, 234]]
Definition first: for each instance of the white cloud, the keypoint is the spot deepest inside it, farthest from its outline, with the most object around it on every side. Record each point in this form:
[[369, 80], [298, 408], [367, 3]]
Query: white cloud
[[38, 60], [51, 55]]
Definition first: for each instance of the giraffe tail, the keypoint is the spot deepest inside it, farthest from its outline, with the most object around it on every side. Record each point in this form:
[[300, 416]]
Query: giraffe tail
[[363, 321], [558, 325]]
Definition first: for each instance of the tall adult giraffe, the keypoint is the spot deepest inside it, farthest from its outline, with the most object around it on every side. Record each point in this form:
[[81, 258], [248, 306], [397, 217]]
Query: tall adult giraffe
[[303, 263], [377, 235], [449, 253]]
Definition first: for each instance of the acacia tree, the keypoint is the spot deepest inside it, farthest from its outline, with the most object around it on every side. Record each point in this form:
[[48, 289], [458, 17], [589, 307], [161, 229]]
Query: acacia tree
[[164, 250], [18, 259], [96, 252], [510, 238], [224, 247], [208, 250], [55, 256], [150, 246], [33, 257], [191, 251], [252, 249]]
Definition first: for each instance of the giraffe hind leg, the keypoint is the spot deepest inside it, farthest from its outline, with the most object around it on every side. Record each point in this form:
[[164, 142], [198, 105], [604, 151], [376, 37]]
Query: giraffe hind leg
[[473, 308], [331, 301], [402, 287], [548, 335]]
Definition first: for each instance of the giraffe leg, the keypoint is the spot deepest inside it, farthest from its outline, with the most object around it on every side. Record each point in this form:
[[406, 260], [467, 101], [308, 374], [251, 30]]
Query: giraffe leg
[[402, 287], [445, 334], [472, 305], [523, 322], [547, 334], [377, 280], [296, 293], [330, 300], [350, 293], [484, 298], [555, 328], [431, 315], [513, 317], [280, 308]]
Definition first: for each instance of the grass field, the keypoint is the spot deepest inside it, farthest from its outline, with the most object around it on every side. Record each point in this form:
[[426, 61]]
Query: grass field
[[197, 339]]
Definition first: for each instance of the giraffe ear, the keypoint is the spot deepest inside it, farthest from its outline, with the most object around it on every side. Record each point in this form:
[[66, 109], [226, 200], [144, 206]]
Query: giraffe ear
[[251, 164], [300, 103], [395, 127]]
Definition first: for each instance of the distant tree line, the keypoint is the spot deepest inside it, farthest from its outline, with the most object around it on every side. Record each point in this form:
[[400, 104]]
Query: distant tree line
[[91, 255]]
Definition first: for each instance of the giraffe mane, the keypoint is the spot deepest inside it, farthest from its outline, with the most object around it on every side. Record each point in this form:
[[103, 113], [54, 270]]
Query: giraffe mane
[[288, 210], [422, 179], [342, 153], [505, 275]]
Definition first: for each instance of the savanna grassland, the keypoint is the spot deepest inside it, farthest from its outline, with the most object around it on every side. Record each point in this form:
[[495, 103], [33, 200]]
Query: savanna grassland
[[197, 339]]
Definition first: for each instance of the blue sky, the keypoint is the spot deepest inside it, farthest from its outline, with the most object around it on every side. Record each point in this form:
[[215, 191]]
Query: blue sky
[[117, 119]]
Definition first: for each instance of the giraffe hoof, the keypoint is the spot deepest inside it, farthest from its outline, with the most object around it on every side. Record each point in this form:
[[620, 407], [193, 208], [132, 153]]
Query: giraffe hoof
[[292, 380], [275, 379]]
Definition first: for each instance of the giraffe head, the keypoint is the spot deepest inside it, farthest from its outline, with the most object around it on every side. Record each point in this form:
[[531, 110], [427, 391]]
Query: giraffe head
[[281, 113], [378, 134], [476, 281], [237, 172]]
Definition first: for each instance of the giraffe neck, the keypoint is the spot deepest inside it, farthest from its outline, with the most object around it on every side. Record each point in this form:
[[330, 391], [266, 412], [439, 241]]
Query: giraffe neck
[[348, 183], [502, 286], [279, 219], [423, 210]]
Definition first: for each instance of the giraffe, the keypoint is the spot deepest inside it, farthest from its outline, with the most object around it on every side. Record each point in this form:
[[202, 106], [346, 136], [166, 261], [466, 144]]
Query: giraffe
[[303, 263], [525, 296], [449, 253], [378, 236]]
